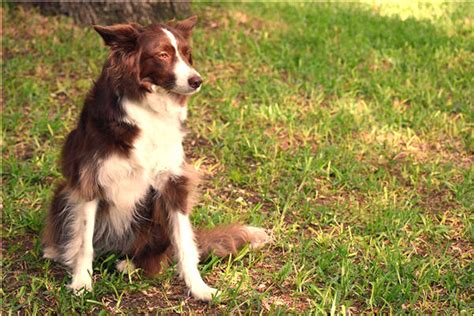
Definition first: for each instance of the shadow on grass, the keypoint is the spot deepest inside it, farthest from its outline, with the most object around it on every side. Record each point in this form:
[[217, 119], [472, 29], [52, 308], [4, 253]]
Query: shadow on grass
[[344, 49]]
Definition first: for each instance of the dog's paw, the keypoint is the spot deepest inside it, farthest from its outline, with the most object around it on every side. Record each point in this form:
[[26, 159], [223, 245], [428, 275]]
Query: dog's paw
[[125, 266], [258, 237], [80, 283], [204, 292]]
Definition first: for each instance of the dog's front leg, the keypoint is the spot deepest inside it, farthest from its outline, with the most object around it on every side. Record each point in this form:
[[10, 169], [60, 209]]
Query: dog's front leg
[[187, 256], [81, 246]]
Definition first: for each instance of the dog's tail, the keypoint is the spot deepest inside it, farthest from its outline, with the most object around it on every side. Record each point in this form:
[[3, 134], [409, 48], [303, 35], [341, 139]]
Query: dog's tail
[[226, 240]]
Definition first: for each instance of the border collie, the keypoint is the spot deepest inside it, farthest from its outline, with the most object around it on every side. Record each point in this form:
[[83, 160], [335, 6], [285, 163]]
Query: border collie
[[127, 186]]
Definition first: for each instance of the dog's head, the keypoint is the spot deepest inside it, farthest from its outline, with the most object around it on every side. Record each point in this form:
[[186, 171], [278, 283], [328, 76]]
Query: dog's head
[[157, 55]]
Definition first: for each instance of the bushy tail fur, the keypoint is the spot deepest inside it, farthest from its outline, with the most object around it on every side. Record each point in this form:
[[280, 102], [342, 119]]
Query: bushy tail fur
[[226, 240]]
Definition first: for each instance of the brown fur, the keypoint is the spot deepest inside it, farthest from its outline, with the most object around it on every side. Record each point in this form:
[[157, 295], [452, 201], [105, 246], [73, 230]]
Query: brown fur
[[152, 246], [222, 241], [180, 192], [52, 234]]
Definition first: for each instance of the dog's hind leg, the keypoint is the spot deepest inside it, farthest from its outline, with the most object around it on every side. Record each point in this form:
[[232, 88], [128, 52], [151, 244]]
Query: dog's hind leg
[[53, 232], [152, 260]]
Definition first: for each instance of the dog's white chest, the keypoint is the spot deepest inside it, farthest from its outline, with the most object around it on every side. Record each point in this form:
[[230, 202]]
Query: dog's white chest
[[157, 153], [158, 148]]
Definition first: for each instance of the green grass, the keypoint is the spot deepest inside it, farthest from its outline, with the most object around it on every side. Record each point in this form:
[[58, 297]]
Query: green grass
[[344, 129]]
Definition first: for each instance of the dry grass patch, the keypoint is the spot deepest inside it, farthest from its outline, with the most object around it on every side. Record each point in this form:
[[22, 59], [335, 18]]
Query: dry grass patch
[[406, 143]]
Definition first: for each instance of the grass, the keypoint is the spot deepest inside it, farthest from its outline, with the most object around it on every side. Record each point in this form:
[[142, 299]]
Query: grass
[[347, 130]]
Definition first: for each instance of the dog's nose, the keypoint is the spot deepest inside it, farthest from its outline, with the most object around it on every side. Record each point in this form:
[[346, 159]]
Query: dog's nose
[[195, 82]]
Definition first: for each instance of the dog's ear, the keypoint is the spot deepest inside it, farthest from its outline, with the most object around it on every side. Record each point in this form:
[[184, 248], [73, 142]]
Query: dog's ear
[[120, 35], [186, 26]]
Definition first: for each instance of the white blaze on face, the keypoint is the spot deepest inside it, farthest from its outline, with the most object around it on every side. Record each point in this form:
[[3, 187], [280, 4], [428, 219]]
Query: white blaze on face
[[182, 70]]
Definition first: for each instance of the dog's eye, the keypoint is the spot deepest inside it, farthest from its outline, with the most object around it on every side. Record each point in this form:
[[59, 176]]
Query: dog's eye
[[163, 55]]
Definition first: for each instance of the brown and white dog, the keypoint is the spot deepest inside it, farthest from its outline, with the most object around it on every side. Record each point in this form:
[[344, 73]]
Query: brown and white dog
[[127, 186]]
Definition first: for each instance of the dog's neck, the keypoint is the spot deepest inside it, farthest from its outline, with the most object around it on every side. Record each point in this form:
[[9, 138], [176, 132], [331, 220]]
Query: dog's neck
[[160, 104]]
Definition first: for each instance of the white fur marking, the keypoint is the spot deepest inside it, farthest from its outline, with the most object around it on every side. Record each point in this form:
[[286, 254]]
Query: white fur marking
[[82, 271], [259, 237], [182, 70], [187, 256], [50, 253], [126, 266]]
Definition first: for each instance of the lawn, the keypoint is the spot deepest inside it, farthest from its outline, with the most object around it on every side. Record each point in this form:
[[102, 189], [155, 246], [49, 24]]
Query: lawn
[[346, 130]]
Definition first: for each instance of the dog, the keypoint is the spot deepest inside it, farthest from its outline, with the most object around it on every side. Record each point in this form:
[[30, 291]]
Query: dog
[[127, 187]]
